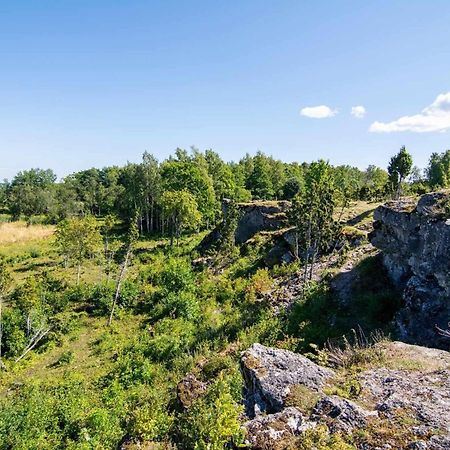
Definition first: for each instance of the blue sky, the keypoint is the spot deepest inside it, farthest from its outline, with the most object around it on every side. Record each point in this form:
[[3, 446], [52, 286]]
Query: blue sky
[[92, 83]]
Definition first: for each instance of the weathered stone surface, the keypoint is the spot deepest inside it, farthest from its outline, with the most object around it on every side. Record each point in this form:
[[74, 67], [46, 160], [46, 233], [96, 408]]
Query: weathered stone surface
[[283, 251], [270, 374], [425, 397], [260, 216], [419, 396], [274, 431], [253, 217], [416, 246], [341, 414]]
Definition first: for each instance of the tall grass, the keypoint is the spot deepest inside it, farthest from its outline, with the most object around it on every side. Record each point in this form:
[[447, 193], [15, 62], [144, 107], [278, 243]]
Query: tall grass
[[18, 232]]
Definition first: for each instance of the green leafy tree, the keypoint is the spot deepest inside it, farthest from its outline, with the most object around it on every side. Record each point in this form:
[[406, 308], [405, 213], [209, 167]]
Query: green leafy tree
[[181, 210], [277, 177], [399, 168], [132, 200], [260, 181], [28, 193], [151, 178], [77, 239], [291, 188], [87, 185], [374, 183], [312, 214], [191, 177], [241, 193], [438, 170], [63, 203], [221, 174]]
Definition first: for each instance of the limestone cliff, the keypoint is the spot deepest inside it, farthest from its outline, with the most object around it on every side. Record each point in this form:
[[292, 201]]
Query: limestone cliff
[[415, 240]]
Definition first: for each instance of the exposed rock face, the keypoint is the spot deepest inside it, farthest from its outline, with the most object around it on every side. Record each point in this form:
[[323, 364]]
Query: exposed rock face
[[260, 216], [284, 249], [253, 217], [348, 414], [270, 373], [415, 241], [389, 399], [425, 397], [275, 430]]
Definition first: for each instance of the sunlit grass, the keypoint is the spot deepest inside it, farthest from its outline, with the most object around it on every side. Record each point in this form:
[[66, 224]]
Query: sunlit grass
[[19, 232]]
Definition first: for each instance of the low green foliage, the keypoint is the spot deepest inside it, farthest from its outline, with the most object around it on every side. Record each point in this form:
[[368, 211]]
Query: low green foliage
[[319, 439], [212, 421]]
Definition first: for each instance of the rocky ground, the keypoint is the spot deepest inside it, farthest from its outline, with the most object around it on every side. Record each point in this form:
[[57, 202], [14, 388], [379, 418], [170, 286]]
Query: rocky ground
[[399, 401]]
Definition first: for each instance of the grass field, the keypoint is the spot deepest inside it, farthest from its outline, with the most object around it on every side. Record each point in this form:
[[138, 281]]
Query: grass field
[[19, 232]]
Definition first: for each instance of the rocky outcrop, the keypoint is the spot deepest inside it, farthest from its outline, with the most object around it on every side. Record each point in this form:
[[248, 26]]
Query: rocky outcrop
[[252, 218], [275, 431], [259, 216], [270, 374], [415, 241], [404, 405]]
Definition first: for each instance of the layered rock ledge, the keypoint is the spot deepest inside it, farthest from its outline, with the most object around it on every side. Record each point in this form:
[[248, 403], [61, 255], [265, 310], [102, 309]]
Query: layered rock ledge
[[414, 238]]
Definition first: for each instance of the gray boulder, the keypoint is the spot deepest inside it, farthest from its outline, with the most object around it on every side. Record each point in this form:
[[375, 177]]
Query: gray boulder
[[341, 414], [270, 374], [260, 216], [275, 430]]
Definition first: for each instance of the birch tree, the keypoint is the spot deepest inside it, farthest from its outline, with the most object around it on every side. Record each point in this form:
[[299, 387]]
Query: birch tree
[[78, 239]]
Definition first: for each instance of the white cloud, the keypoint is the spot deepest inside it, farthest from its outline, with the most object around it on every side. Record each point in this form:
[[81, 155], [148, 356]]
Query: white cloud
[[318, 112], [358, 111], [435, 117]]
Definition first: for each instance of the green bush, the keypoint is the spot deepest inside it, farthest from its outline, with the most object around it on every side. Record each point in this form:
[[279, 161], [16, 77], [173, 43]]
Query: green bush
[[212, 421], [14, 337], [171, 338], [66, 358], [176, 276], [181, 304]]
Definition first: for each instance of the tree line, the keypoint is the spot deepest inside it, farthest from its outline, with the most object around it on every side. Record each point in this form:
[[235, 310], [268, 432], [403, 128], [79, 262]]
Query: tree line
[[193, 184]]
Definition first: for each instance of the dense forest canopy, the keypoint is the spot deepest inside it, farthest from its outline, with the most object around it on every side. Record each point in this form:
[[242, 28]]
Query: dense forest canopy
[[138, 188]]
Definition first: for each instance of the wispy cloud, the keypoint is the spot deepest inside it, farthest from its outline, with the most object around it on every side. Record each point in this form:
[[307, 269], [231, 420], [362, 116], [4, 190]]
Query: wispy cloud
[[358, 111], [318, 112], [433, 118]]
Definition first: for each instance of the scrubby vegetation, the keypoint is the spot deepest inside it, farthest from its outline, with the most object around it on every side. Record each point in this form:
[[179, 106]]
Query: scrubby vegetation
[[123, 249]]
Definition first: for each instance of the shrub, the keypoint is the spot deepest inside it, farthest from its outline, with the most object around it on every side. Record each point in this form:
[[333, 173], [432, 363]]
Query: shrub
[[212, 422], [66, 358], [176, 276], [171, 337], [320, 439], [181, 304]]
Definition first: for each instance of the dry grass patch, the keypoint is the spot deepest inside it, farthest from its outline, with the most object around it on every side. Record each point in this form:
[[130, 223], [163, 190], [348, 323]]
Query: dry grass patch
[[401, 356], [18, 232]]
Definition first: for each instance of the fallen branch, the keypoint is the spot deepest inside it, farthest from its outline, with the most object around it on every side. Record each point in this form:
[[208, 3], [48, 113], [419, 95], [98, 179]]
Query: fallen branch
[[33, 342]]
